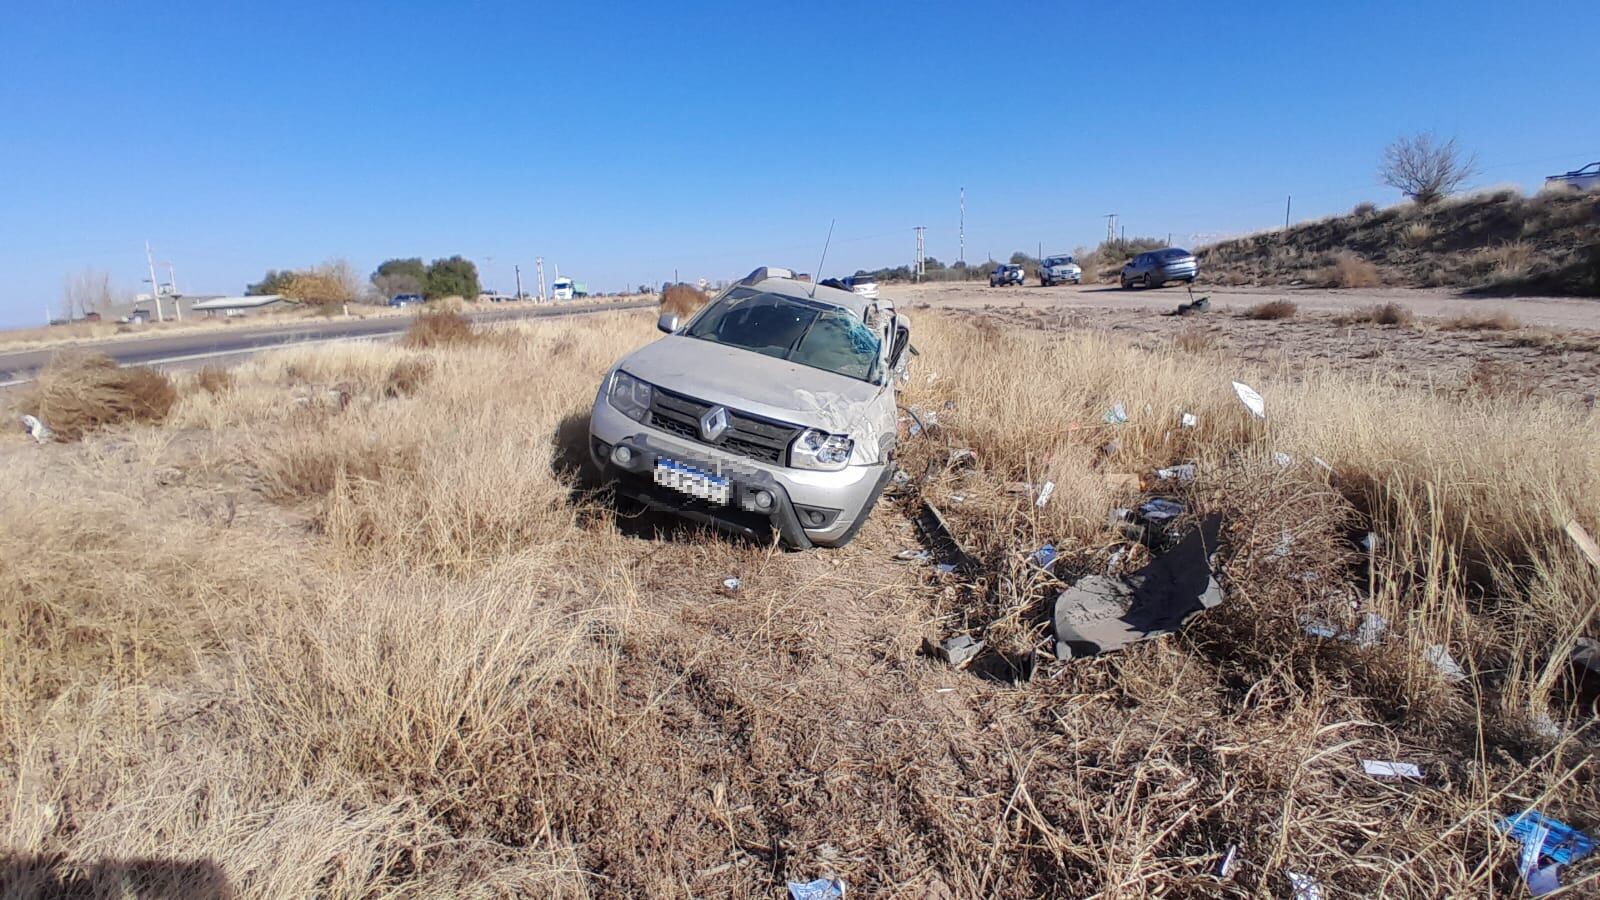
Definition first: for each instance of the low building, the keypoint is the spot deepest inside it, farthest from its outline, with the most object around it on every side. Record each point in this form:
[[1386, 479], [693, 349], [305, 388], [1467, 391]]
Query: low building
[[231, 307]]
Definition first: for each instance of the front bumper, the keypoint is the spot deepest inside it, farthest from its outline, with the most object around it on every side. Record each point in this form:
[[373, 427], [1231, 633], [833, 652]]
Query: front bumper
[[808, 507]]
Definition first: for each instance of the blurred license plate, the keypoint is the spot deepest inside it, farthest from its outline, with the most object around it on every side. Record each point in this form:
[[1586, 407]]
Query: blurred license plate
[[690, 480]]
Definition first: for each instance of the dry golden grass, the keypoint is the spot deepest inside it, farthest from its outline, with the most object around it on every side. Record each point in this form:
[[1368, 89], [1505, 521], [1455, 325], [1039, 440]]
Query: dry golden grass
[[315, 635], [683, 299], [439, 328], [1381, 314], [79, 392], [1499, 320], [1350, 271]]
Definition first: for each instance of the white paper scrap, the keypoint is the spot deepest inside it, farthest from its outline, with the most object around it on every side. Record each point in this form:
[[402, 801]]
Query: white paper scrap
[[1440, 656], [1251, 399], [1386, 769], [1304, 886], [1044, 493], [1189, 420]]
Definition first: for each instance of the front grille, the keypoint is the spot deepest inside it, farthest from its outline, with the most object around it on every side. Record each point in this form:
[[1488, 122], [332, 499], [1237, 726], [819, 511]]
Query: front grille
[[747, 435]]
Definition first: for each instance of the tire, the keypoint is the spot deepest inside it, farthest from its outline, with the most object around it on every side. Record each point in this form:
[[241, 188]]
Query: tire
[[1125, 284], [1153, 284]]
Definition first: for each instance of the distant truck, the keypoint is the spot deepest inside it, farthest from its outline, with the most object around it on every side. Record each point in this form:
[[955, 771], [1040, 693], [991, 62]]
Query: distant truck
[[566, 289], [1584, 179]]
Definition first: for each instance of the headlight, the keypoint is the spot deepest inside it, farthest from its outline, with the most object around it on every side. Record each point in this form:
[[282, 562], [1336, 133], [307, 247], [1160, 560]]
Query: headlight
[[817, 449], [630, 396]]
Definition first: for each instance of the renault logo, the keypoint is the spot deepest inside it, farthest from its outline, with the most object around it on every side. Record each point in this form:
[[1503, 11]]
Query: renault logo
[[713, 423]]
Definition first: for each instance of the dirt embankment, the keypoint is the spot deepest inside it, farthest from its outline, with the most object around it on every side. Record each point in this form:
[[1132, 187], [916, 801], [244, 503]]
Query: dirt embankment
[[1498, 243]]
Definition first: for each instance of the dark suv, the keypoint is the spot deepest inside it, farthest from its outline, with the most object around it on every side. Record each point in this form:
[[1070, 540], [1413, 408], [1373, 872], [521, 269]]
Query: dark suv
[[1007, 274]]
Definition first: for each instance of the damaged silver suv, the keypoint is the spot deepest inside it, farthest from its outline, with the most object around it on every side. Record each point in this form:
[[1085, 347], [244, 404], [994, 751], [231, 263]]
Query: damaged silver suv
[[773, 407]]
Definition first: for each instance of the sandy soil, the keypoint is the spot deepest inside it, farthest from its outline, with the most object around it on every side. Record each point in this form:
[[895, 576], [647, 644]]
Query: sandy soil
[[1557, 352]]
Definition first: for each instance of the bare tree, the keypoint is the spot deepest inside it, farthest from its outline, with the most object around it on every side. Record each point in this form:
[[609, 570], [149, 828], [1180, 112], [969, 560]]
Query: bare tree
[[86, 292], [1425, 168]]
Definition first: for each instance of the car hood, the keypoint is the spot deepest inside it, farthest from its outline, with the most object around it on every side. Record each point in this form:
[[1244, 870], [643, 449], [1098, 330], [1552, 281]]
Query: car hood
[[754, 383]]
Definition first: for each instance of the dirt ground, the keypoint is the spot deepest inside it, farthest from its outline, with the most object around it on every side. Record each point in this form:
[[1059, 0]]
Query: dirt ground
[[1556, 352]]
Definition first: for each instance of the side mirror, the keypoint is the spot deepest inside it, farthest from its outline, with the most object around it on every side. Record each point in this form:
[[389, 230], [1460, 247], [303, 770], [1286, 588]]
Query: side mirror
[[668, 322]]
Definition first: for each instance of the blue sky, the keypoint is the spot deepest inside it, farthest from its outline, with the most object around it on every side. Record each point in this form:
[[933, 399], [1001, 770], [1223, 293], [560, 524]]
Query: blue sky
[[621, 142]]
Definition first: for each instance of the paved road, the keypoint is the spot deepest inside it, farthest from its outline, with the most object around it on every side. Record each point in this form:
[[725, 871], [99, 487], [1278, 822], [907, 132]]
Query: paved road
[[20, 365]]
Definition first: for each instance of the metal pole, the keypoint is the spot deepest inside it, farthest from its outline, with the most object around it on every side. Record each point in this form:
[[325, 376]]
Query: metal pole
[[538, 264], [1286, 205], [963, 254], [519, 281], [172, 282], [155, 286]]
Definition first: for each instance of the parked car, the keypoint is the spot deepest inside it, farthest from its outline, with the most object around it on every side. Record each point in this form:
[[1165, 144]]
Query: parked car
[[1006, 274], [865, 285], [403, 300], [1584, 179], [1059, 270], [1157, 267], [772, 408]]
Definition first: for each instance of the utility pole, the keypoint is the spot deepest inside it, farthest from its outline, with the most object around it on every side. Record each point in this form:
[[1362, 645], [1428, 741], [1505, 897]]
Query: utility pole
[[155, 286], [1111, 227], [921, 267], [519, 281], [172, 283], [1287, 203], [962, 256], [538, 265]]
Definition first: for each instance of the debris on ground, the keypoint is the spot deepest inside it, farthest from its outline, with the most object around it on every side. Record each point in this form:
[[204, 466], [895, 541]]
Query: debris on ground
[[1440, 657], [1251, 400], [1044, 557], [731, 584], [1544, 838], [1586, 544], [1282, 460], [1585, 656], [1196, 306], [945, 568], [1160, 510], [820, 889], [1188, 420], [1371, 542], [1366, 635], [1323, 463], [916, 556], [37, 429], [1116, 415], [1380, 768], [1225, 867], [1101, 613], [1304, 886], [957, 651], [941, 540], [1044, 494], [1182, 474]]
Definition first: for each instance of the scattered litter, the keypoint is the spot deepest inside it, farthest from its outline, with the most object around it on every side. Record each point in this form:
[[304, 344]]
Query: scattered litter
[[1251, 400], [901, 476], [957, 457], [1282, 460], [1116, 415], [1546, 726], [918, 556], [1371, 542], [1188, 420], [949, 404], [1323, 463], [1117, 556], [1370, 631], [958, 498], [37, 429], [1585, 543], [1385, 769], [1318, 628], [1304, 886], [1020, 487], [1197, 306], [1226, 866], [821, 889], [1543, 881], [1159, 510], [1182, 474], [939, 538], [731, 584], [1121, 481], [932, 377], [957, 651], [1044, 493], [1548, 838], [1440, 657], [945, 568], [1044, 557], [1120, 514], [1101, 613], [1284, 545]]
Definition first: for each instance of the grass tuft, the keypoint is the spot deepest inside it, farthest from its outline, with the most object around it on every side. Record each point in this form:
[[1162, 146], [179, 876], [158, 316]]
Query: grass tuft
[[1271, 310], [78, 393], [440, 328]]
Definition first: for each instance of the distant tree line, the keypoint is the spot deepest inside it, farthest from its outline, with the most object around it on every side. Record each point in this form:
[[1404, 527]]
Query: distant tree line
[[335, 281]]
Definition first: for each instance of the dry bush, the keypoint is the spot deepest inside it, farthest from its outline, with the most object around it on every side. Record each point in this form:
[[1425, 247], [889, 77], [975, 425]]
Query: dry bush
[[1273, 309], [439, 329], [683, 300], [1499, 320], [1381, 314], [214, 380], [1348, 270], [1194, 339], [1425, 168], [1505, 262], [1364, 208], [1417, 234], [1497, 378], [77, 393]]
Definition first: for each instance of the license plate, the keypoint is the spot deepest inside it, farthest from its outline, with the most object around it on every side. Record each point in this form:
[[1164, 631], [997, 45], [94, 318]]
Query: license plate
[[692, 481]]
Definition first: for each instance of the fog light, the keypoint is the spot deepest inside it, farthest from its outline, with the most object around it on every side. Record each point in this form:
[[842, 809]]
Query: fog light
[[814, 517], [621, 455], [763, 500]]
